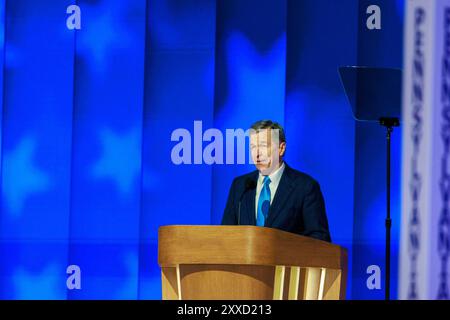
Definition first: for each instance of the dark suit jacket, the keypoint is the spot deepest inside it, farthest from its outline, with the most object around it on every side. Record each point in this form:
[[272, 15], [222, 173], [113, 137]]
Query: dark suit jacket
[[298, 206]]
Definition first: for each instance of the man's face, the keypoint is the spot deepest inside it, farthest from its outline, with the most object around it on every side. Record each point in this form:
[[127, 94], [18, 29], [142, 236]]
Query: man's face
[[266, 150]]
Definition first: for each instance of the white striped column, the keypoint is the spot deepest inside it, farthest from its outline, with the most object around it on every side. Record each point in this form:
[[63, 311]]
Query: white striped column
[[423, 267]]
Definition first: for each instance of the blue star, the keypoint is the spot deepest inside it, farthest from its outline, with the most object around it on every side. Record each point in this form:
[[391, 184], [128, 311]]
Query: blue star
[[258, 80], [21, 178], [49, 284], [101, 33], [130, 285], [121, 159]]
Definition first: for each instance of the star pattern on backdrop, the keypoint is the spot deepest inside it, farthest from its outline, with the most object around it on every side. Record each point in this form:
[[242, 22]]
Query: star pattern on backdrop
[[47, 284], [21, 176], [120, 159], [253, 73], [129, 288], [102, 32]]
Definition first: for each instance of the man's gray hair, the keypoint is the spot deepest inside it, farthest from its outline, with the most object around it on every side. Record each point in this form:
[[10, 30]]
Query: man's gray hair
[[269, 124]]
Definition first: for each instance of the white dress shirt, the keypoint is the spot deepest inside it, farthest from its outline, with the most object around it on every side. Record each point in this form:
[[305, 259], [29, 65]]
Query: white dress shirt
[[275, 178]]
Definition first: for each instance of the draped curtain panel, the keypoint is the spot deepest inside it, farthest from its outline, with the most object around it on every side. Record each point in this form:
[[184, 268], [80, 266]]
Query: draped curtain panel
[[87, 118]]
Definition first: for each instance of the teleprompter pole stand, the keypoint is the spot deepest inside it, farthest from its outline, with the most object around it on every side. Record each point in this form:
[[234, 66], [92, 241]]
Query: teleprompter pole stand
[[389, 124], [374, 95]]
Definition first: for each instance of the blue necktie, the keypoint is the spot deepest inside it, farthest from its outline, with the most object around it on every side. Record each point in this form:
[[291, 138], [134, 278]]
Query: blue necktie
[[263, 203]]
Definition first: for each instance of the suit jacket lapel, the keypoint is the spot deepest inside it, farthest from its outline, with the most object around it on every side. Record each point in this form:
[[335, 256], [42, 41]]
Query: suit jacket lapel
[[249, 202], [285, 187], [251, 212]]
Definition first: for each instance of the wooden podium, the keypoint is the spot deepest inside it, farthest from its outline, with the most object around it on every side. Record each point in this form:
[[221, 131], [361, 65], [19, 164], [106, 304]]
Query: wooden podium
[[248, 262]]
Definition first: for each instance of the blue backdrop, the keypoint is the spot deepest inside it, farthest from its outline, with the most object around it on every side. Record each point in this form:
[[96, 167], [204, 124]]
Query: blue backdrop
[[87, 117]]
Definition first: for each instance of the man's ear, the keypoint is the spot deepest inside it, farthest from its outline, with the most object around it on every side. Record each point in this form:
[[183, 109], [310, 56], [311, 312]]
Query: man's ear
[[282, 149]]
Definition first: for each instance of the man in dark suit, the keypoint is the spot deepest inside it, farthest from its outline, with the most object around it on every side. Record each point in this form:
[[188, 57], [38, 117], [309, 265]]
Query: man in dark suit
[[275, 195]]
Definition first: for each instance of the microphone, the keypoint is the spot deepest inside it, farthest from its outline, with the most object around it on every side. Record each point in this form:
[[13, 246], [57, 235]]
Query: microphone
[[249, 185]]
